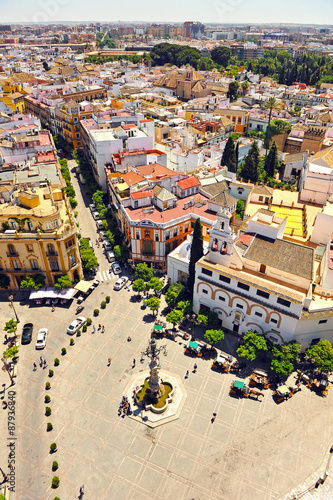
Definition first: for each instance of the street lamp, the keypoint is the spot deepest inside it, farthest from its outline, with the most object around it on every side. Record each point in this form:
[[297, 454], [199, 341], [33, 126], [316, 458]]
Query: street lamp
[[11, 304], [192, 320]]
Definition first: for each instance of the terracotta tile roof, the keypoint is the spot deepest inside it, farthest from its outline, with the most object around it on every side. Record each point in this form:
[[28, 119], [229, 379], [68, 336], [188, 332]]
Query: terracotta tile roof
[[188, 183], [128, 126], [141, 194], [263, 190], [132, 178], [224, 199], [326, 155], [155, 171]]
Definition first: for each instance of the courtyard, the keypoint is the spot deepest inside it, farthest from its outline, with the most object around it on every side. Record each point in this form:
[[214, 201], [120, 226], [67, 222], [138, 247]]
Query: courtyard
[[254, 449]]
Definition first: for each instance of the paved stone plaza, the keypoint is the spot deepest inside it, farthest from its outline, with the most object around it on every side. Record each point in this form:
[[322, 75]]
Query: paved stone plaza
[[254, 450]]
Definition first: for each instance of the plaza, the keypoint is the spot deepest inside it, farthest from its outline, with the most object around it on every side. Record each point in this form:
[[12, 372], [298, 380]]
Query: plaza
[[253, 450]]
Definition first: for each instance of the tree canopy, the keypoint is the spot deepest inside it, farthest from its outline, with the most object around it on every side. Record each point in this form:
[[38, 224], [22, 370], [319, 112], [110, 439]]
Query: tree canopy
[[272, 160], [144, 272], [173, 294], [139, 285], [62, 282], [155, 284], [221, 55], [33, 282], [233, 90], [196, 254], [250, 168], [322, 354], [174, 316], [284, 357], [229, 156], [169, 53], [10, 326], [214, 336], [253, 344], [88, 257], [154, 304]]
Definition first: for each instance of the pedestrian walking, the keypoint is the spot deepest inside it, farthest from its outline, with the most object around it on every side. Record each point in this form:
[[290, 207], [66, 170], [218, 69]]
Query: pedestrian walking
[[41, 361], [187, 374], [195, 367], [82, 490], [133, 362], [35, 367], [103, 329], [99, 326], [213, 417], [94, 329], [53, 308], [6, 337], [109, 361], [45, 364]]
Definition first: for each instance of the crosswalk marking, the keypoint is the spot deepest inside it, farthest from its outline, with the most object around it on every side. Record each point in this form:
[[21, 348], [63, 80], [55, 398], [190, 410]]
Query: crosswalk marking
[[105, 275]]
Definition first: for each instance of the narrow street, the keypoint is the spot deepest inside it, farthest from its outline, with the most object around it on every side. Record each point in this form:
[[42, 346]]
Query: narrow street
[[87, 223]]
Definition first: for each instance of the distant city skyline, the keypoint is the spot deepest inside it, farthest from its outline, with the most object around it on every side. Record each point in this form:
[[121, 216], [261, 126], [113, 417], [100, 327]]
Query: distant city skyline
[[215, 11]]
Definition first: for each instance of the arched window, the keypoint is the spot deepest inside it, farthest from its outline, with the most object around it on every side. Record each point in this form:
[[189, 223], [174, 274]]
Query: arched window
[[222, 226], [55, 223], [224, 248], [50, 249], [214, 245]]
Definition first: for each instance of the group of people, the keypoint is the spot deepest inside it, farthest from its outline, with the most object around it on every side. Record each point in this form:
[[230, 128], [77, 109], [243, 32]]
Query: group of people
[[124, 407], [42, 364], [100, 327]]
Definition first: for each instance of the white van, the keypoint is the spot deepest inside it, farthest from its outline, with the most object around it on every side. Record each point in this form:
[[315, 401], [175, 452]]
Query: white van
[[99, 224]]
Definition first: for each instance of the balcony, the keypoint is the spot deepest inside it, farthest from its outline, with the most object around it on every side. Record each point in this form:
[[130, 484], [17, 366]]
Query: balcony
[[12, 254], [54, 254]]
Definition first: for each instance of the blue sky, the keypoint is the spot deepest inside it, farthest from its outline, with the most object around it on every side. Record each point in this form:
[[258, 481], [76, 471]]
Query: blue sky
[[219, 11]]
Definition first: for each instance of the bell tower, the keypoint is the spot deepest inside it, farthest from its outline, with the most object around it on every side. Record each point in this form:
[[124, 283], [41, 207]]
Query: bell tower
[[221, 239]]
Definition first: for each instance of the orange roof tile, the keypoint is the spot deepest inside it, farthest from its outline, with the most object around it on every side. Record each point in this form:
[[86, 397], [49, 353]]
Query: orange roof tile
[[141, 194], [188, 183]]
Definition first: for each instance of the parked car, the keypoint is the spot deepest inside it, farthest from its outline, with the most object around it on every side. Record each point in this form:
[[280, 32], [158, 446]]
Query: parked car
[[76, 324], [115, 267], [92, 207], [91, 244], [107, 245], [95, 215], [99, 224], [110, 256], [120, 283], [27, 333], [102, 233], [41, 338]]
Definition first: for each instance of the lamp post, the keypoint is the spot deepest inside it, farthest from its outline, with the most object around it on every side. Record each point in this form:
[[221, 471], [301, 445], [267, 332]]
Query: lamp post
[[191, 318], [11, 304]]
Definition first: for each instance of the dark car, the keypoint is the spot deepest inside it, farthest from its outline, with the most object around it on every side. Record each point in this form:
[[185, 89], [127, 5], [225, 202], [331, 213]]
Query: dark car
[[27, 333]]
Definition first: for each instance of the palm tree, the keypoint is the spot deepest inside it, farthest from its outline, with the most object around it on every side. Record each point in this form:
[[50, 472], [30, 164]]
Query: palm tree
[[272, 104], [245, 86]]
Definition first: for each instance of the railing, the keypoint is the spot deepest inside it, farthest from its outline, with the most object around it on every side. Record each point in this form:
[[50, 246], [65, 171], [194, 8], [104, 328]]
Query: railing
[[12, 254], [52, 254]]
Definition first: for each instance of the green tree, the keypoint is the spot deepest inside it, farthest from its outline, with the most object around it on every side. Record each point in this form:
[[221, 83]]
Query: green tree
[[250, 167], [271, 104], [322, 354], [11, 352], [233, 91], [272, 160], [4, 281], [229, 156], [186, 306], [11, 326], [173, 294], [202, 319], [174, 317], [155, 284], [144, 272], [214, 336], [284, 357], [245, 86], [110, 236], [98, 197], [221, 55], [253, 344], [33, 282], [63, 282], [88, 257], [139, 285], [196, 254], [46, 66], [240, 208], [154, 304]]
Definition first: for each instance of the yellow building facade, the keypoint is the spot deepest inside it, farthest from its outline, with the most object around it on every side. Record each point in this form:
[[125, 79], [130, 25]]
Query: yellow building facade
[[38, 235]]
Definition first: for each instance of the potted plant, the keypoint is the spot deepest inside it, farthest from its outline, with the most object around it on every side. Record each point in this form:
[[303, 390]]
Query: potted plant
[[89, 321], [103, 304], [54, 465], [49, 426], [47, 385], [63, 351], [78, 333], [56, 362], [55, 482], [84, 328], [53, 447], [71, 342], [47, 411], [96, 312], [107, 299], [51, 372], [47, 398]]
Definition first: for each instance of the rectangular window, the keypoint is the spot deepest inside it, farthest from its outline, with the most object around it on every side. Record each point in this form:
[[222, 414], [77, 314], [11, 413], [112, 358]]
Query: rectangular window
[[16, 264], [273, 320], [261, 198], [224, 279], [322, 321], [30, 248], [204, 291], [69, 243], [48, 225], [186, 228], [206, 272], [175, 232], [34, 264], [30, 225], [167, 235], [222, 298], [260, 293], [54, 265], [13, 225], [243, 287], [72, 259], [157, 237], [258, 314], [240, 306], [283, 302], [137, 235]]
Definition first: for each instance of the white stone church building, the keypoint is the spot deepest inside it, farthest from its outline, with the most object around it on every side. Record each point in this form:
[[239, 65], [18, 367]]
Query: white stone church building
[[257, 280]]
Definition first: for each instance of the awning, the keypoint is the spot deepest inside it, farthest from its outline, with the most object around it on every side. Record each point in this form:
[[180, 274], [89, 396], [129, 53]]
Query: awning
[[194, 345], [51, 293], [158, 327], [83, 286], [219, 359], [238, 384]]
